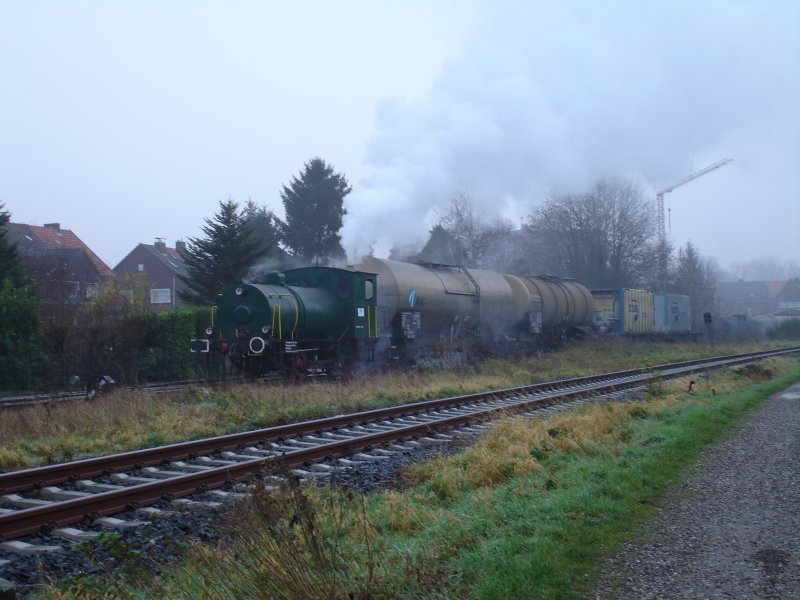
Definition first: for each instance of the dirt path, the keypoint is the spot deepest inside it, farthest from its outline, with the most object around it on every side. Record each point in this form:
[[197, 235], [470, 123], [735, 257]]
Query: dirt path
[[732, 528]]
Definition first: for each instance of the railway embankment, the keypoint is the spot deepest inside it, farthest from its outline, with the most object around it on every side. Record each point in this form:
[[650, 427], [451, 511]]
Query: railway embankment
[[528, 511]]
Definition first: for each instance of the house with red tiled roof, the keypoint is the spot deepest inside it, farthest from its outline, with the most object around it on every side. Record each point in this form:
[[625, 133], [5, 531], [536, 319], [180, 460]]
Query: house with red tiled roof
[[763, 303], [161, 267], [789, 300], [63, 268]]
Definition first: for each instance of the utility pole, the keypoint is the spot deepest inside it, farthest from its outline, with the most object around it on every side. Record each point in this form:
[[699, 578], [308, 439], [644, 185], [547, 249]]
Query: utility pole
[[660, 225]]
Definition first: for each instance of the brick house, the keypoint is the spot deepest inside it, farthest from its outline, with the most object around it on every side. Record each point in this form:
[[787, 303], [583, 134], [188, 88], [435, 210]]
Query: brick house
[[64, 270], [161, 267]]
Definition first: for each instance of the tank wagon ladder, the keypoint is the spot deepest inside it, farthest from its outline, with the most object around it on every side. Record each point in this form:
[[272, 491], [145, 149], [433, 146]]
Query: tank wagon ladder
[[476, 331], [476, 296]]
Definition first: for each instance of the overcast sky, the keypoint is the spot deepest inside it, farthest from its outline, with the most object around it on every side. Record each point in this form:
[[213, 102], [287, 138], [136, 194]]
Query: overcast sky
[[125, 121]]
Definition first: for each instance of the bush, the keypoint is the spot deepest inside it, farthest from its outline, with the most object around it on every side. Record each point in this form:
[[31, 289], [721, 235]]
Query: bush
[[166, 356], [787, 330]]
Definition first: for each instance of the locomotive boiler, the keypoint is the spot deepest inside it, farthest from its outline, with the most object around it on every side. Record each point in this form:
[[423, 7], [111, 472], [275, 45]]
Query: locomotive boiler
[[308, 318]]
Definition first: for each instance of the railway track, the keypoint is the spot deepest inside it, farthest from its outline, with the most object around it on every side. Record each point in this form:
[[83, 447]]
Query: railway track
[[24, 400], [66, 493]]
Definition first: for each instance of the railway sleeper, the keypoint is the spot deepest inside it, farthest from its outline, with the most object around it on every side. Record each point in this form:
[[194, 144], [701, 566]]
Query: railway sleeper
[[132, 479], [93, 486], [74, 535], [118, 524], [56, 493], [18, 547], [187, 504], [162, 474], [188, 468], [304, 474], [22, 502]]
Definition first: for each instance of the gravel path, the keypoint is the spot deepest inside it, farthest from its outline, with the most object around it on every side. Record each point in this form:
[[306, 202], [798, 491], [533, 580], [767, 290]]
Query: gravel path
[[732, 528]]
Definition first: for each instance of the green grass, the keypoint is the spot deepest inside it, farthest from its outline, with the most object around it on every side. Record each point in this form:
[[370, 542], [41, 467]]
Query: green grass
[[539, 536], [524, 513]]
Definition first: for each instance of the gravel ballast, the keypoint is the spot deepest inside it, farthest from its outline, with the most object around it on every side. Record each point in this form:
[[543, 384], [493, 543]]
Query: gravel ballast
[[164, 540], [731, 529]]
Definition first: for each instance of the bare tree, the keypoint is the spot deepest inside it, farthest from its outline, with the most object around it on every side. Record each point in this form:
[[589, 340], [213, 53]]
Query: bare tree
[[473, 241], [603, 238], [765, 269]]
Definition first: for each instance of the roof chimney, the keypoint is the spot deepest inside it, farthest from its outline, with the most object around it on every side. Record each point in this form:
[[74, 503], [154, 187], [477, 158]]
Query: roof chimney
[[54, 227], [161, 246], [180, 246]]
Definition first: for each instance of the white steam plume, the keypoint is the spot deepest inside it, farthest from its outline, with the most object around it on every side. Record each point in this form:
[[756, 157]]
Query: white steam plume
[[551, 97]]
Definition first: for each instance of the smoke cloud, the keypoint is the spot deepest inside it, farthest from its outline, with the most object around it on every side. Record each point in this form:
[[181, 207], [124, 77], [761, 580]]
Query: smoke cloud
[[550, 98]]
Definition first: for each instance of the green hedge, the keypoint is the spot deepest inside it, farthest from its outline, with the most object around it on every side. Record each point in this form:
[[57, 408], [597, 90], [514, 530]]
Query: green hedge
[[22, 362], [166, 355]]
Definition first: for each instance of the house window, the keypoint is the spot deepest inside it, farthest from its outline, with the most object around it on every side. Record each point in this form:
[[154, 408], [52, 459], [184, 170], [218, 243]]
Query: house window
[[72, 291], [91, 291], [140, 266], [128, 295], [160, 296]]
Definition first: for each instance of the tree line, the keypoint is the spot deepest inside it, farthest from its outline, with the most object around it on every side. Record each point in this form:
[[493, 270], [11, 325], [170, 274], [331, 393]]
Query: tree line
[[603, 237]]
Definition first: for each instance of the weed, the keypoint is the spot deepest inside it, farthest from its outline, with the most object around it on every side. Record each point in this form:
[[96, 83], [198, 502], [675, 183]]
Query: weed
[[754, 372], [295, 543]]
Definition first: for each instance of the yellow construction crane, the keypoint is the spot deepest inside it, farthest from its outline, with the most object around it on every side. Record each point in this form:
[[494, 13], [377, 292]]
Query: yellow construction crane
[[662, 238], [685, 180]]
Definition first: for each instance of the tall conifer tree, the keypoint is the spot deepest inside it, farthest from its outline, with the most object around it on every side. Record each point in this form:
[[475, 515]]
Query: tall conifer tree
[[314, 206], [223, 257], [21, 359]]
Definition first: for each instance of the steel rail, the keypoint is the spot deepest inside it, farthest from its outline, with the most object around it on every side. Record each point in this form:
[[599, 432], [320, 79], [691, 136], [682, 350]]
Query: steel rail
[[31, 520], [16, 481], [21, 401]]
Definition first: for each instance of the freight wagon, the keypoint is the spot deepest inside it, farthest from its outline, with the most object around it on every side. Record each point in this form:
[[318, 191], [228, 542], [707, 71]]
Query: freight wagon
[[625, 311], [673, 314]]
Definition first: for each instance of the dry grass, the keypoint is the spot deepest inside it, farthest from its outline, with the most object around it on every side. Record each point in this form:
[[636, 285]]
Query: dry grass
[[124, 420], [515, 448], [522, 513], [518, 447]]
